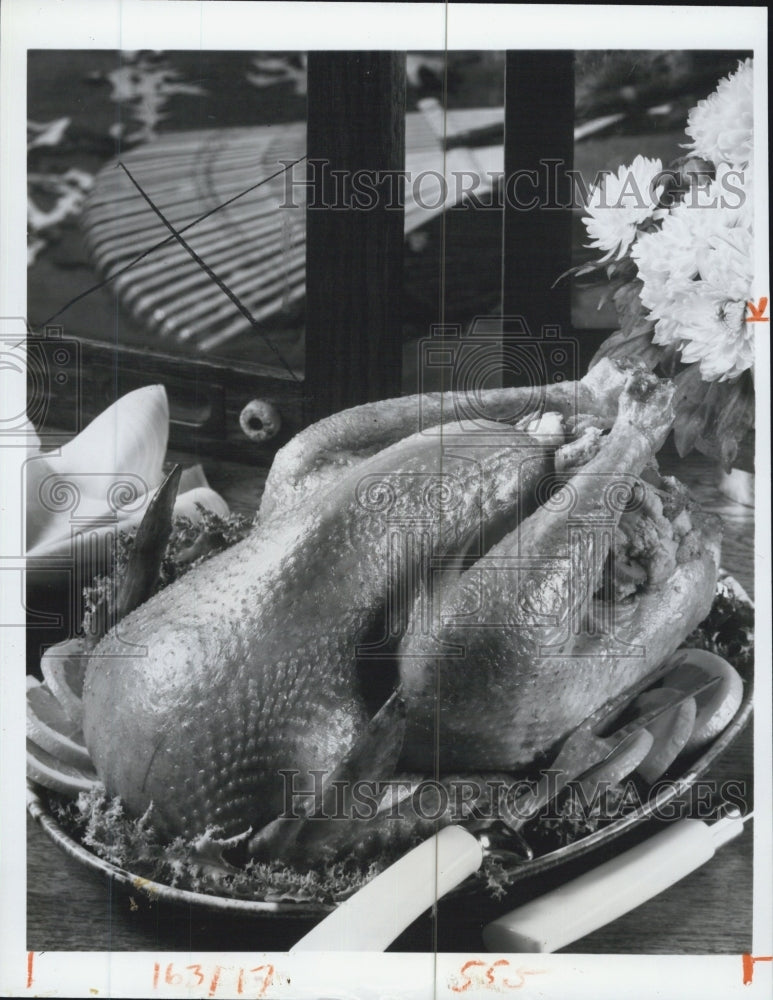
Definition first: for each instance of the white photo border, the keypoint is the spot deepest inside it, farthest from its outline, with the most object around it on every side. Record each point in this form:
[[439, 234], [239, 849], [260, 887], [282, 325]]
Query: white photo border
[[184, 24]]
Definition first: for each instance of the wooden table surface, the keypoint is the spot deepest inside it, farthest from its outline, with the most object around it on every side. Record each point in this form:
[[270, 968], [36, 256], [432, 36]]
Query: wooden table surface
[[70, 908]]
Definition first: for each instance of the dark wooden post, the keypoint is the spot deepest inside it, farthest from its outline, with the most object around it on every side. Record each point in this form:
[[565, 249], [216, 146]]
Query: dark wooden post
[[539, 151], [354, 228]]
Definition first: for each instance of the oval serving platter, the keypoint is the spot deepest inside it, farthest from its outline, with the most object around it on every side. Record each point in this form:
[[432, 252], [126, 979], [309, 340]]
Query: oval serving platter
[[673, 788]]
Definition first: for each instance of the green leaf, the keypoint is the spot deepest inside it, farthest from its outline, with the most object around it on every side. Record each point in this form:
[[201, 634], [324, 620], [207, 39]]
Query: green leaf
[[630, 311], [593, 267], [631, 346], [712, 417], [731, 419], [689, 421]]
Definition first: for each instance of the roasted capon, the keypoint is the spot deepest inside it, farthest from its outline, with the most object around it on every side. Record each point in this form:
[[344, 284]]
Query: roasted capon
[[506, 566]]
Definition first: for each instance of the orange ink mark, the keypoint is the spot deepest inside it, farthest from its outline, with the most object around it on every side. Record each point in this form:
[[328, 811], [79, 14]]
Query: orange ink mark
[[172, 978], [493, 978], [463, 972], [215, 981], [490, 970], [30, 963], [268, 977], [240, 982], [757, 313], [156, 970], [748, 964], [196, 970], [522, 974]]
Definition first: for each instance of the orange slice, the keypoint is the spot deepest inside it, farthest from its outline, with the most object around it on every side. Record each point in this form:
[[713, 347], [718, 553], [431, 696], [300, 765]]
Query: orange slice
[[717, 707], [50, 728], [619, 766], [64, 667], [57, 775], [670, 731]]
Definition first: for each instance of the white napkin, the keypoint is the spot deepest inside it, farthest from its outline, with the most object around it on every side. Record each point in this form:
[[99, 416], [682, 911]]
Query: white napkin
[[104, 478]]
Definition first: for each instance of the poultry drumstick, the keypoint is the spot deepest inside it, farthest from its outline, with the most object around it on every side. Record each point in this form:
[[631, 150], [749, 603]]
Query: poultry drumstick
[[515, 657]]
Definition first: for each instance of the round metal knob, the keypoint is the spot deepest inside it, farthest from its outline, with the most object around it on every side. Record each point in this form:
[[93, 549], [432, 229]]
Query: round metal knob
[[260, 420]]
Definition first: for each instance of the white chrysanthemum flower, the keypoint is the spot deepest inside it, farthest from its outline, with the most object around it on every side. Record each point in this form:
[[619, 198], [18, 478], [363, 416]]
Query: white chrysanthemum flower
[[696, 274], [713, 332], [731, 191], [620, 203], [668, 258], [722, 126], [725, 263]]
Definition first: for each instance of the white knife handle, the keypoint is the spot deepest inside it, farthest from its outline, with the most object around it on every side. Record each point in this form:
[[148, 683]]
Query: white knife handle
[[375, 915], [601, 895]]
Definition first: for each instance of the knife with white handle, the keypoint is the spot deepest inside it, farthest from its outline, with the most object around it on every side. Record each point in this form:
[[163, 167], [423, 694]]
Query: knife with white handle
[[605, 893], [375, 915], [380, 911]]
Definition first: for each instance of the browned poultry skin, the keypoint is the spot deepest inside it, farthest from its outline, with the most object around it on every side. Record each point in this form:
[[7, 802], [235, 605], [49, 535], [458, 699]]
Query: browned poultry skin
[[525, 677], [315, 458], [247, 665]]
